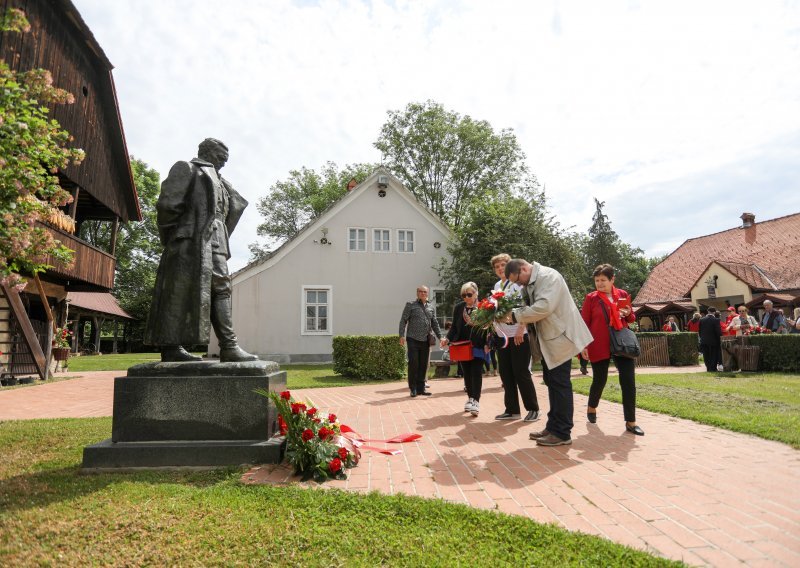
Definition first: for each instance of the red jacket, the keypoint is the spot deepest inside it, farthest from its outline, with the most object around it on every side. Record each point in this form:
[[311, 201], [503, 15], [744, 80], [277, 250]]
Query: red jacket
[[693, 325], [595, 320]]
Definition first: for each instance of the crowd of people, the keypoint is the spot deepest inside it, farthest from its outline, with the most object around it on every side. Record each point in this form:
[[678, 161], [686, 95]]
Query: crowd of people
[[546, 327]]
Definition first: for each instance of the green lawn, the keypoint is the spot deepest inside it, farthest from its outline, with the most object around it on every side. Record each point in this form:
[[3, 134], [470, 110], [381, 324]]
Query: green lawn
[[50, 514], [762, 404]]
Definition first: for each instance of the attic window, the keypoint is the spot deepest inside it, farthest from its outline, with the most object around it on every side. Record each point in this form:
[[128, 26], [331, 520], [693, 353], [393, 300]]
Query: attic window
[[382, 193], [85, 91]]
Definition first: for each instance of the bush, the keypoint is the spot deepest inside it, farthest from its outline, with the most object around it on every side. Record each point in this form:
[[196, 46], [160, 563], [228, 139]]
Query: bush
[[778, 352], [682, 347], [369, 357]]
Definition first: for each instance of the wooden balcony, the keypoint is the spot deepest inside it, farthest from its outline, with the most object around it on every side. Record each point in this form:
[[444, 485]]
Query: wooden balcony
[[91, 266]]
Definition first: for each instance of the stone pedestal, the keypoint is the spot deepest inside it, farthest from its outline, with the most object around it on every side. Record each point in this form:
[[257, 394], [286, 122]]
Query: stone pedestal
[[194, 414]]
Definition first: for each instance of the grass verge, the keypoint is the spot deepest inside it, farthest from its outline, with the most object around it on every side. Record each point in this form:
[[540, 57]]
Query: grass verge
[[50, 514], [764, 404]]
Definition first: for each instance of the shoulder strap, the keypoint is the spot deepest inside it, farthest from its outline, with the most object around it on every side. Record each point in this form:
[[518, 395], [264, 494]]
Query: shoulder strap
[[605, 311]]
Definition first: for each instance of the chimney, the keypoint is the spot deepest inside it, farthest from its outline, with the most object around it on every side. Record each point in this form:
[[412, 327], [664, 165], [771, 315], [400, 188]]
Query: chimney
[[351, 184], [748, 220]]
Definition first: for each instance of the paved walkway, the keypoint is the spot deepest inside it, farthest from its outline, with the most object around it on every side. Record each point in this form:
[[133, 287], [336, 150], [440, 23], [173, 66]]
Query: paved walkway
[[684, 491]]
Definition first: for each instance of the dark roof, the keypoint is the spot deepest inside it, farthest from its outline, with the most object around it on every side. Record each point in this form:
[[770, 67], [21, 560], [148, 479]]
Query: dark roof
[[763, 255], [102, 302]]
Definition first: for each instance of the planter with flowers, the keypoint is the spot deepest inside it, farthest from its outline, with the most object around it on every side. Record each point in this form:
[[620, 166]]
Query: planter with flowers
[[315, 446], [62, 344]]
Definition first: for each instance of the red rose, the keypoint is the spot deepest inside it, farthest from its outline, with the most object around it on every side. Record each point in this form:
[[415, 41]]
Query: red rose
[[282, 425], [286, 395], [325, 433], [298, 407], [311, 412], [343, 453], [331, 418], [335, 465], [497, 295], [307, 435], [316, 420]]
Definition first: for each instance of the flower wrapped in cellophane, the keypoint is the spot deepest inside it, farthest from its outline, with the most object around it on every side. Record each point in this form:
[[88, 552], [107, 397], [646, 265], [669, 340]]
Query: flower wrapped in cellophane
[[494, 308]]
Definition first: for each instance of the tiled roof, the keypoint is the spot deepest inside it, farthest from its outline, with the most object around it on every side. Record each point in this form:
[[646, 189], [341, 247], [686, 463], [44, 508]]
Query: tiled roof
[[766, 254], [102, 302]]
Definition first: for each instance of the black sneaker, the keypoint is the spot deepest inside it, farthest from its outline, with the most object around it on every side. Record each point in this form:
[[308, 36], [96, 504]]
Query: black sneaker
[[424, 393], [507, 416], [532, 416]]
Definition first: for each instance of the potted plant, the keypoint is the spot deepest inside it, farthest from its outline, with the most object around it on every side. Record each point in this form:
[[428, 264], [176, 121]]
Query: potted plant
[[62, 344]]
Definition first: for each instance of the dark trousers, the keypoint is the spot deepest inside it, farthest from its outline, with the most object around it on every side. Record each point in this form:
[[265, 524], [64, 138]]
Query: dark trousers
[[559, 392], [513, 362], [418, 353], [473, 377], [712, 354], [627, 382]]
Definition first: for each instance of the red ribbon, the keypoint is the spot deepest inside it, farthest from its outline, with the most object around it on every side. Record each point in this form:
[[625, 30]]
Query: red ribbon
[[351, 434]]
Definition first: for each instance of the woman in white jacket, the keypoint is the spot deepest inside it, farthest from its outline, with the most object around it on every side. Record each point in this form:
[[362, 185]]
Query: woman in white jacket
[[743, 323]]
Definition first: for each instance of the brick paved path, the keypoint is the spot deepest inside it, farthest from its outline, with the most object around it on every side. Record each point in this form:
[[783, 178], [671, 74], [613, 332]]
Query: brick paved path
[[684, 490]]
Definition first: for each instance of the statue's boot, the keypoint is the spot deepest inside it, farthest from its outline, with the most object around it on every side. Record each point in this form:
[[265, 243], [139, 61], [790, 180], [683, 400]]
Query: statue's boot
[[222, 320], [175, 354], [235, 354]]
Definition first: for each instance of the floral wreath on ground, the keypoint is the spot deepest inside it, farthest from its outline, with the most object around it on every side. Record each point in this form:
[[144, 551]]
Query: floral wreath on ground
[[315, 446]]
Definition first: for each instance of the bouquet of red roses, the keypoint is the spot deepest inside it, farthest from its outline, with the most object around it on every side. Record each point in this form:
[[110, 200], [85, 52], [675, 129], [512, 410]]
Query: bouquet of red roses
[[314, 444], [494, 308]]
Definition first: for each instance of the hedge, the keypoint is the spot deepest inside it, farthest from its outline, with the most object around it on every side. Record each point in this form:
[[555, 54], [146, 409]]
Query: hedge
[[779, 352], [682, 346], [369, 357]]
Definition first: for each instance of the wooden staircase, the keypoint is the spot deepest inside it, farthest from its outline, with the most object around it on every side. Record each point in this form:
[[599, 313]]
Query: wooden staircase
[[23, 355]]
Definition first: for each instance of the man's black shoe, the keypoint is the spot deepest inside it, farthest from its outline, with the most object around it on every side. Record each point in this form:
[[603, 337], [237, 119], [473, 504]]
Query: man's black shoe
[[413, 393], [424, 393]]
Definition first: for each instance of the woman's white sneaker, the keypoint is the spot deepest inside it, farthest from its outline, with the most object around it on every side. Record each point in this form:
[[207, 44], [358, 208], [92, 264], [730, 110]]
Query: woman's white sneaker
[[468, 405], [476, 406]]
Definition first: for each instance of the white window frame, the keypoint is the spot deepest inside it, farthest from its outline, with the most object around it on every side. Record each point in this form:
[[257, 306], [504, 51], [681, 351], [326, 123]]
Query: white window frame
[[375, 242], [414, 241], [321, 287], [440, 317], [366, 239]]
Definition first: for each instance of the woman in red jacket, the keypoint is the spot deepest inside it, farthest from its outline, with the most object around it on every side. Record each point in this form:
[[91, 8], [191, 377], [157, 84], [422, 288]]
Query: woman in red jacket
[[608, 305]]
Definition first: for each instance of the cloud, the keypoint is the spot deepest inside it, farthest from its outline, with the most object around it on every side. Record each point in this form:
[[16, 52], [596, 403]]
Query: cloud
[[608, 99]]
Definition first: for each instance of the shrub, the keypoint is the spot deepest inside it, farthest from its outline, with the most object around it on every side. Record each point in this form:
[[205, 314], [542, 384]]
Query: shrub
[[369, 357], [682, 347], [778, 352]]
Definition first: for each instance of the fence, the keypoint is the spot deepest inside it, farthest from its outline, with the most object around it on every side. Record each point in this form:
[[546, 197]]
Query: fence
[[655, 352]]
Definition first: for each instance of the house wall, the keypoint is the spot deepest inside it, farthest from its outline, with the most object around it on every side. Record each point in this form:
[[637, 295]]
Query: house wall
[[368, 289], [729, 288]]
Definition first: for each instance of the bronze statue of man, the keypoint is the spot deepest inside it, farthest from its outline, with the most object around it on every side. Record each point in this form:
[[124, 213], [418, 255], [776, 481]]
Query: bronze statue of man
[[197, 211]]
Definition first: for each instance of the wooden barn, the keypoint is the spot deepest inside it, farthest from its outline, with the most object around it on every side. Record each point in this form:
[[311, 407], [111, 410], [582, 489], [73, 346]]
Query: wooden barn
[[102, 186]]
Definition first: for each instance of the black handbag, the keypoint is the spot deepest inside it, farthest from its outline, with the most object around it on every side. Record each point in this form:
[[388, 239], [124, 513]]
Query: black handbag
[[623, 342]]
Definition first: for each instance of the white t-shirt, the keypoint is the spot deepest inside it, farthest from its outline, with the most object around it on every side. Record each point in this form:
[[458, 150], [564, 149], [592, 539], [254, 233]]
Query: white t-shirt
[[507, 329]]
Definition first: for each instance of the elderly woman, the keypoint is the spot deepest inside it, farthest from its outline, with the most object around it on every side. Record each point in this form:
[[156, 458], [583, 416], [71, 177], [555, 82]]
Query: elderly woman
[[609, 306], [461, 330], [742, 324], [794, 323]]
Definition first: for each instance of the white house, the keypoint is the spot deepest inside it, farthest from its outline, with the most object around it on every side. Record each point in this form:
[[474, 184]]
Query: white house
[[348, 272]]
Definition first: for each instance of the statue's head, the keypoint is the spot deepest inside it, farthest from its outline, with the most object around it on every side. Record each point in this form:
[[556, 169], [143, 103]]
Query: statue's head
[[214, 151]]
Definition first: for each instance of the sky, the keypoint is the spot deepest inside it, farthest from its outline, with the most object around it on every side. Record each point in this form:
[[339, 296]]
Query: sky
[[680, 116]]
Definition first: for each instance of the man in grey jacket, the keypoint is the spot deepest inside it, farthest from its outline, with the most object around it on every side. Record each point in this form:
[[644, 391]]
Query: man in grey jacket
[[416, 324], [557, 331]]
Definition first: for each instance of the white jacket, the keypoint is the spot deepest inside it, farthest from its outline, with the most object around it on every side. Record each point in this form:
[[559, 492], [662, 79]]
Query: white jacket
[[560, 329]]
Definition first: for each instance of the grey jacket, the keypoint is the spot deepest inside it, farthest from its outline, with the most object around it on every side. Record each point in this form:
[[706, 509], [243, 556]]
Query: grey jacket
[[560, 329]]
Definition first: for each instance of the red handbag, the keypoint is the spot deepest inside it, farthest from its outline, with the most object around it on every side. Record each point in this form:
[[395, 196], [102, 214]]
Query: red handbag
[[461, 350]]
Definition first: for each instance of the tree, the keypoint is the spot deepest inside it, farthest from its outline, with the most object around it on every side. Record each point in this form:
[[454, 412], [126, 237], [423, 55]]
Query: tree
[[138, 248], [448, 160], [294, 202], [517, 225], [603, 244], [33, 149]]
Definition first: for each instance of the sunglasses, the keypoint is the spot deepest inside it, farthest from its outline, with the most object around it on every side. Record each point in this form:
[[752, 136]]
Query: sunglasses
[[467, 295]]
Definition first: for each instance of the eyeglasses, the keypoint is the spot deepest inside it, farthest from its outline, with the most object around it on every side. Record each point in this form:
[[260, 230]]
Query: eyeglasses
[[467, 295]]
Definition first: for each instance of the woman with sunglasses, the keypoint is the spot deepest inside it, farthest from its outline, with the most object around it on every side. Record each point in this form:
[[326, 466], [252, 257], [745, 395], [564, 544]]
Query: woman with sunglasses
[[743, 324], [461, 330]]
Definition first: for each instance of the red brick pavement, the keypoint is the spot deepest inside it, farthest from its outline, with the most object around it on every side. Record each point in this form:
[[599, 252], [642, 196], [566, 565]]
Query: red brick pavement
[[685, 491]]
